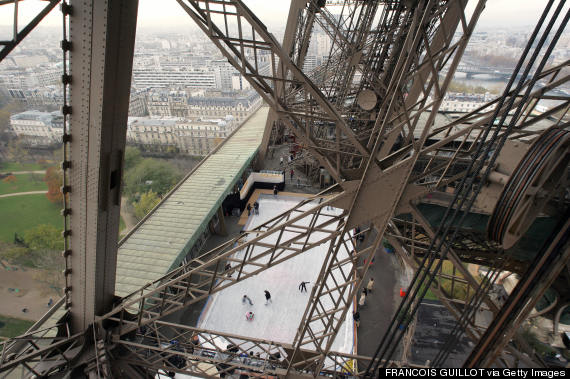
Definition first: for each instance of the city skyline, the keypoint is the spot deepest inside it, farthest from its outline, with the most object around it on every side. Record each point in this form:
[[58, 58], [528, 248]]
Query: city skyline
[[153, 14]]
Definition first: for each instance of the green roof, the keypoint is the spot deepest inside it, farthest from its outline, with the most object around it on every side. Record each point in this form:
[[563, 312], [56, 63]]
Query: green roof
[[163, 239]]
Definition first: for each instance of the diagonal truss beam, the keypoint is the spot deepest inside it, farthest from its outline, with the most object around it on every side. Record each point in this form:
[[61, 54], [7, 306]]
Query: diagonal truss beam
[[218, 19], [18, 36], [309, 224], [185, 349]]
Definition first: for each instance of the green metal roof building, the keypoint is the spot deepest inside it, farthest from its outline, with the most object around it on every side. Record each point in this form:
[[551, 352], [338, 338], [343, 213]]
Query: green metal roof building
[[164, 237]]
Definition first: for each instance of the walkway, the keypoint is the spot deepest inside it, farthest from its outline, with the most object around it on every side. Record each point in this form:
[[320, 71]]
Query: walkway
[[29, 172], [23, 193]]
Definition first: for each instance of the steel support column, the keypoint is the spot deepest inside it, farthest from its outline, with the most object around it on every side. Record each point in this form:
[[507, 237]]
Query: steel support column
[[102, 36]]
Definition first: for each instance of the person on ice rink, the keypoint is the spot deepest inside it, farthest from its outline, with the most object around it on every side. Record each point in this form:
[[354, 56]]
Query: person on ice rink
[[303, 286], [256, 207], [267, 297], [246, 298]]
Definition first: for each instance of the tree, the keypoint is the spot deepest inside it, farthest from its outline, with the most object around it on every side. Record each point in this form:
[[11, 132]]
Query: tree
[[54, 180], [44, 237], [17, 151], [132, 157], [145, 204], [6, 111], [151, 175], [10, 179]]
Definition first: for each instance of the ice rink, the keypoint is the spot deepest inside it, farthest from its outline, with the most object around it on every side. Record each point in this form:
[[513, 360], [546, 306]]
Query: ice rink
[[277, 321]]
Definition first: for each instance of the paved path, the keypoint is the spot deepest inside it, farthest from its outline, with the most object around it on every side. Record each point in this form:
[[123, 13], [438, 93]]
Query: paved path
[[27, 172], [24, 193]]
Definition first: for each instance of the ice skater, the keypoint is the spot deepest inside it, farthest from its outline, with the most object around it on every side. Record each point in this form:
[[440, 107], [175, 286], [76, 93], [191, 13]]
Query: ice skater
[[249, 316], [267, 297], [256, 207], [274, 190], [248, 209], [303, 286], [246, 298]]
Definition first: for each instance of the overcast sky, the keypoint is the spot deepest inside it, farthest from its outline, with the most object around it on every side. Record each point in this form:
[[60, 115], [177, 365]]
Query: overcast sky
[[157, 13]]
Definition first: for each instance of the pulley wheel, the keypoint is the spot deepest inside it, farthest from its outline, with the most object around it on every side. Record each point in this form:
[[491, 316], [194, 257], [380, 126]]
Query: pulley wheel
[[535, 179]]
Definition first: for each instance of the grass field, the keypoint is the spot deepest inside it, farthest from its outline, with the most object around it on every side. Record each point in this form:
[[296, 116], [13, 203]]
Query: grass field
[[23, 183], [13, 327], [20, 213], [13, 167], [459, 290]]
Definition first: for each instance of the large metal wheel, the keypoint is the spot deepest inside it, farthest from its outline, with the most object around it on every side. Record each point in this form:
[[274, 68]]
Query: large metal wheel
[[536, 178]]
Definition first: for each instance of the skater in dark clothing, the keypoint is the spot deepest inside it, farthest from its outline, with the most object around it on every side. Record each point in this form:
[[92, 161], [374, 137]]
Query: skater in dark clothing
[[256, 207], [274, 190], [267, 297], [246, 298], [248, 209], [303, 286]]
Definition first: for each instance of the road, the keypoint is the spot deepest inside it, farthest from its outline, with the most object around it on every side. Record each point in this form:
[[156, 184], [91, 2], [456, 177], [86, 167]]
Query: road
[[23, 193]]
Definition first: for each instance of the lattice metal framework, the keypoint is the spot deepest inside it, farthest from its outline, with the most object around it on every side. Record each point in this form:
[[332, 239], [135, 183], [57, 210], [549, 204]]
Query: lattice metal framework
[[406, 54]]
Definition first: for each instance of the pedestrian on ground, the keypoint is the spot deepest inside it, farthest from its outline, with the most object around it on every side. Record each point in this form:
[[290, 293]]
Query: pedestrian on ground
[[256, 207], [362, 299], [292, 156], [50, 302], [298, 182], [303, 286], [267, 297], [370, 284], [248, 209], [289, 159], [275, 190], [365, 291], [292, 173], [281, 161], [356, 317], [246, 298]]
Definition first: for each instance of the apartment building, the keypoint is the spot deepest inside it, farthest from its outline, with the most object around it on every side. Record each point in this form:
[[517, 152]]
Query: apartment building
[[190, 137], [38, 129]]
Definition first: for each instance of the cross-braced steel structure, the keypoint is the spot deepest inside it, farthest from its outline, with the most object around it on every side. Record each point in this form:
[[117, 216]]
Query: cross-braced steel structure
[[368, 117]]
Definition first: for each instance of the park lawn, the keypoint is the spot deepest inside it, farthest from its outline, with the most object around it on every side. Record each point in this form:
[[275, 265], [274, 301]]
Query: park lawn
[[15, 166], [23, 183], [20, 213], [13, 327]]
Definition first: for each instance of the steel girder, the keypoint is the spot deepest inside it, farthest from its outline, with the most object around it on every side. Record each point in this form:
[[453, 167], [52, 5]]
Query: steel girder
[[102, 37], [205, 353], [19, 35]]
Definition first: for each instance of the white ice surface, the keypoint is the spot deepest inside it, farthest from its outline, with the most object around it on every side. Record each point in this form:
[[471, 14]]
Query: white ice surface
[[278, 321]]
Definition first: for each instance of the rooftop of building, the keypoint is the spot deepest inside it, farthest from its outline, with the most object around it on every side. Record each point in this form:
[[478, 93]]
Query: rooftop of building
[[35, 115], [165, 236]]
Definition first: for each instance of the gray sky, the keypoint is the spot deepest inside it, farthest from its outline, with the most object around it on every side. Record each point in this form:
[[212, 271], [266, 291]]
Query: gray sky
[[157, 13]]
